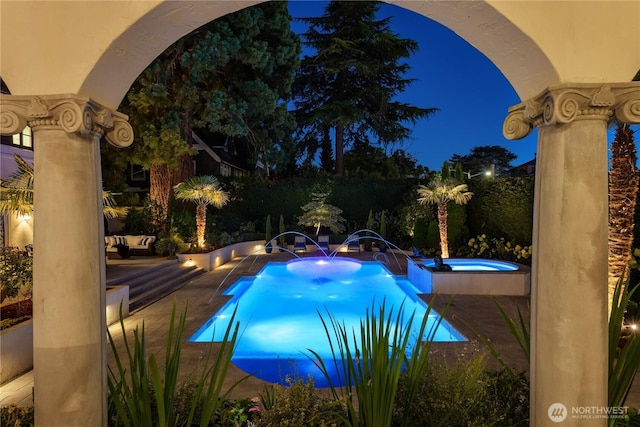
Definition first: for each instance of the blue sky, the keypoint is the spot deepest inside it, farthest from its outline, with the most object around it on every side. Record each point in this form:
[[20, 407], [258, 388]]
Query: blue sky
[[472, 94]]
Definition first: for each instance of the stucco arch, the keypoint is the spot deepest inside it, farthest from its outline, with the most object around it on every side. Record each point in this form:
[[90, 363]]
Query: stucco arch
[[478, 22], [104, 46]]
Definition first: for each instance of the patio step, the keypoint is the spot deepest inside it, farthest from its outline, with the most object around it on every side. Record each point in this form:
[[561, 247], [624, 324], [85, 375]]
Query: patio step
[[151, 284], [132, 275]]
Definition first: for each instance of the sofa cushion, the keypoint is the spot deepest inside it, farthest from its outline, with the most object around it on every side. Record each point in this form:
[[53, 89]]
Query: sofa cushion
[[132, 241], [113, 241], [139, 242], [147, 240]]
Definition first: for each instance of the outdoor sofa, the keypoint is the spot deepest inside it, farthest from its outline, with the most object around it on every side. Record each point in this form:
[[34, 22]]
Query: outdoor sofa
[[138, 245]]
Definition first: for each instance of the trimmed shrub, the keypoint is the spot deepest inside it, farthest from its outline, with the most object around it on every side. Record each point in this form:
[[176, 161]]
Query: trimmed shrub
[[420, 234], [502, 207], [254, 199], [457, 227], [433, 236]]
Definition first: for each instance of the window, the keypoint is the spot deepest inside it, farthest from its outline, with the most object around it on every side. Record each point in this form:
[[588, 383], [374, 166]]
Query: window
[[137, 173], [23, 139]]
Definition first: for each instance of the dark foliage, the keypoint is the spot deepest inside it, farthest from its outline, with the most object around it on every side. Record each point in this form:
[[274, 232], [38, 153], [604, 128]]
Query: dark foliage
[[502, 207], [481, 158], [255, 199]]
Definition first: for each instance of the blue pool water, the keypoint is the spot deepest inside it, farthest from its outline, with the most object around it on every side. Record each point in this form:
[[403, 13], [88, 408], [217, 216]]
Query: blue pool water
[[474, 264], [278, 312]]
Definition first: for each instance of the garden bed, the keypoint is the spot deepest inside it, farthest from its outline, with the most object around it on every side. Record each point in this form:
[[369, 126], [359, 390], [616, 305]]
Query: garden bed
[[13, 312], [211, 260]]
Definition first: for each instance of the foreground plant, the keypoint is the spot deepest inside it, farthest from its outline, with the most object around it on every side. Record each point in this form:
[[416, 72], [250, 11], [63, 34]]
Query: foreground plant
[[466, 393], [624, 348], [518, 329], [369, 363], [299, 404], [142, 395], [624, 360]]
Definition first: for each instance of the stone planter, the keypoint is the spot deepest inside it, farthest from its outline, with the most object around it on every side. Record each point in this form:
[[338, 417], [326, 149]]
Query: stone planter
[[16, 342], [16, 350], [211, 260], [115, 296]]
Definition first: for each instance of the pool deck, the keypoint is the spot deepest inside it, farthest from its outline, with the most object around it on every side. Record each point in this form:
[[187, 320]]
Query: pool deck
[[203, 300]]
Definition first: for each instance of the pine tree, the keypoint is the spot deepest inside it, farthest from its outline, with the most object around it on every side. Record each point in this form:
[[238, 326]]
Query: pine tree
[[233, 77], [326, 152], [351, 81]]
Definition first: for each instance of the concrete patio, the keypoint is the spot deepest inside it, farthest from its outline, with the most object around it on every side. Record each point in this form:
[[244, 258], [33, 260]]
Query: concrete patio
[[202, 298]]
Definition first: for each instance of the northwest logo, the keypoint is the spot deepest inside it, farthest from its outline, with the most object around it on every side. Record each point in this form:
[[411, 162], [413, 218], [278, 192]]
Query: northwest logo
[[557, 412]]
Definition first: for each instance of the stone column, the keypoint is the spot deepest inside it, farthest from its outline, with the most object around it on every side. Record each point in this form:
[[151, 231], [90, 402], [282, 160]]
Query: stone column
[[569, 324], [70, 344]]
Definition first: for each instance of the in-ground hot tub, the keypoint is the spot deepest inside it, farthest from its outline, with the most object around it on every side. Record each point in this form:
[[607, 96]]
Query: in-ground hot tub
[[470, 276]]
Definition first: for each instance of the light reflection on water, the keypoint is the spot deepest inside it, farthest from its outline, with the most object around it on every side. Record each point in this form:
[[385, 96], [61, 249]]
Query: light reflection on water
[[279, 312]]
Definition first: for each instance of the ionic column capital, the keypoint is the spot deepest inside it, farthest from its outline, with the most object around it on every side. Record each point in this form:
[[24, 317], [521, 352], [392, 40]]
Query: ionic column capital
[[71, 113], [562, 104]]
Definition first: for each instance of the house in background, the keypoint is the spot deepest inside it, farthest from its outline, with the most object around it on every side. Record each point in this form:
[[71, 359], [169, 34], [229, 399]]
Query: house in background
[[216, 160], [525, 169], [211, 159]]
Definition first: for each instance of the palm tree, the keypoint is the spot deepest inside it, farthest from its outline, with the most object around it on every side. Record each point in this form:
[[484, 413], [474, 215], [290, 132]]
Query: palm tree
[[204, 191], [440, 192], [623, 186], [16, 193]]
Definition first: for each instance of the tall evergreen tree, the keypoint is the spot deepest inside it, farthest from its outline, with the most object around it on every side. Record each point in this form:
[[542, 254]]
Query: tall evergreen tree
[[326, 152], [232, 76], [351, 81]]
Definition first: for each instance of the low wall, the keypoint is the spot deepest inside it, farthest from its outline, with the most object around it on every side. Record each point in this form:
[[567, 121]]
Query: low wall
[[16, 350], [115, 296], [510, 282], [16, 342], [211, 260]]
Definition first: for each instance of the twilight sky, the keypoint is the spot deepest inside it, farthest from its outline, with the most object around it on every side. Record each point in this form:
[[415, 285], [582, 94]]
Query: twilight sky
[[472, 94]]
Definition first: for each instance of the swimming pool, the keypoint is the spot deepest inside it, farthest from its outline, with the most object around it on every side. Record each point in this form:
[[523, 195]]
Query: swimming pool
[[278, 312], [470, 276]]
